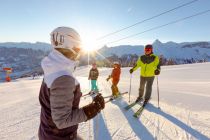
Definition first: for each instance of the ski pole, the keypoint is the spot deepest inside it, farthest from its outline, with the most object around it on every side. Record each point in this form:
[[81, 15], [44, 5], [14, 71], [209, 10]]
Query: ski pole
[[97, 85], [130, 88], [158, 92], [89, 93], [108, 101], [89, 85]]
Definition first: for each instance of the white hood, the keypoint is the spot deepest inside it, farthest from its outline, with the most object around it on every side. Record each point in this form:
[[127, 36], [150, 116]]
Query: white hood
[[56, 65]]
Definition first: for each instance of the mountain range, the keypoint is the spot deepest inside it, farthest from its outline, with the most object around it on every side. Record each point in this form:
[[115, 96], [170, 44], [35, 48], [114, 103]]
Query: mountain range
[[185, 50], [173, 50], [36, 46]]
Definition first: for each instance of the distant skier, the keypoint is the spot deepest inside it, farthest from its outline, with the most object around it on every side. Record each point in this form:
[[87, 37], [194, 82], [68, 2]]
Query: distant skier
[[150, 67], [93, 76], [60, 91], [115, 76], [34, 75]]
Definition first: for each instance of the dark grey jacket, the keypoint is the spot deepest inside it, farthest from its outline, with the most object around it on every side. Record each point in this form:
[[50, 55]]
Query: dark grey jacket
[[93, 74], [60, 113]]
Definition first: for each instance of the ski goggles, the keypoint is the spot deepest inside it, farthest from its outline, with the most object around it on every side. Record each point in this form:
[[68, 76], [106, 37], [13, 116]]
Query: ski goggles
[[77, 52], [147, 49]]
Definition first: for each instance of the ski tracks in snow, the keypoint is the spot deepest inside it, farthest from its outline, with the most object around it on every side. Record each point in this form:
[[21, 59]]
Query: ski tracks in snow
[[155, 123], [20, 116]]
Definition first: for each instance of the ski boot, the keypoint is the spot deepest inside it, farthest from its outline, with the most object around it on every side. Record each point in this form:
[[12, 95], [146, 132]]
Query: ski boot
[[116, 95], [139, 99]]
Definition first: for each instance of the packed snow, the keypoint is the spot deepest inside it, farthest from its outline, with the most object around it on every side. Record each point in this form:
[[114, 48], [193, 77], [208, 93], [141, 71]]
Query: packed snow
[[184, 107]]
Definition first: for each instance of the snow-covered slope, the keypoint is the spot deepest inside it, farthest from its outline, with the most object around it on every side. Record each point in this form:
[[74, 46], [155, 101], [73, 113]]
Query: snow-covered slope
[[184, 102], [186, 50]]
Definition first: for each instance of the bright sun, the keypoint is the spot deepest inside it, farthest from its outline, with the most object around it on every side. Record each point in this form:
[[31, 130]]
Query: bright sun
[[89, 43]]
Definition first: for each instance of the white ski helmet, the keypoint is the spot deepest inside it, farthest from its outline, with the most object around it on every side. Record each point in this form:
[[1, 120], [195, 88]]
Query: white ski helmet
[[116, 63], [67, 38]]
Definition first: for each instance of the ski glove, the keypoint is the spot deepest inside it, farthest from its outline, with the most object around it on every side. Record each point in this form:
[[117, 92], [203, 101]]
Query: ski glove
[[157, 72], [99, 100], [95, 107], [131, 71]]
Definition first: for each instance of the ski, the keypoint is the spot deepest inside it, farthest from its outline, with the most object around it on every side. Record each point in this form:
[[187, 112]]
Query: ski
[[91, 93], [112, 95], [140, 110], [111, 98], [87, 94], [132, 105]]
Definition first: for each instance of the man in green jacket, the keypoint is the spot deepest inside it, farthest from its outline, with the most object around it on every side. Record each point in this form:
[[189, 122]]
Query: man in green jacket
[[150, 67]]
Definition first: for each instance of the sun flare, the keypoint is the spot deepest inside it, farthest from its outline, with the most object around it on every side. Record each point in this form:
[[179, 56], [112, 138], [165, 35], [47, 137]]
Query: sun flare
[[89, 43]]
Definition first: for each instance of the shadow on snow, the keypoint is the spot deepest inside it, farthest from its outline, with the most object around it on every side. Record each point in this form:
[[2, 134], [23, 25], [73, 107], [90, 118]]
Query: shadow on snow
[[138, 128], [100, 129], [177, 122]]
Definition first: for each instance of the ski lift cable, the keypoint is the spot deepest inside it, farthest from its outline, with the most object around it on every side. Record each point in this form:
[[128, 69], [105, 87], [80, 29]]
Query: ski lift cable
[[160, 26], [147, 19]]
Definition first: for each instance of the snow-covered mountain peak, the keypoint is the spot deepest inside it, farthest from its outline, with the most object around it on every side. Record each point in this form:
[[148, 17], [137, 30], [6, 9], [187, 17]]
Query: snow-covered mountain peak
[[157, 43], [170, 50]]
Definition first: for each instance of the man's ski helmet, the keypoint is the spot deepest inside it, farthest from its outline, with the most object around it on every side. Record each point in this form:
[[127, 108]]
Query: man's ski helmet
[[148, 48], [66, 38]]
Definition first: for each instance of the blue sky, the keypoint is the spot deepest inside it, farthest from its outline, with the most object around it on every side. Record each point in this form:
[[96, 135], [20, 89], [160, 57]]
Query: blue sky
[[33, 20]]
